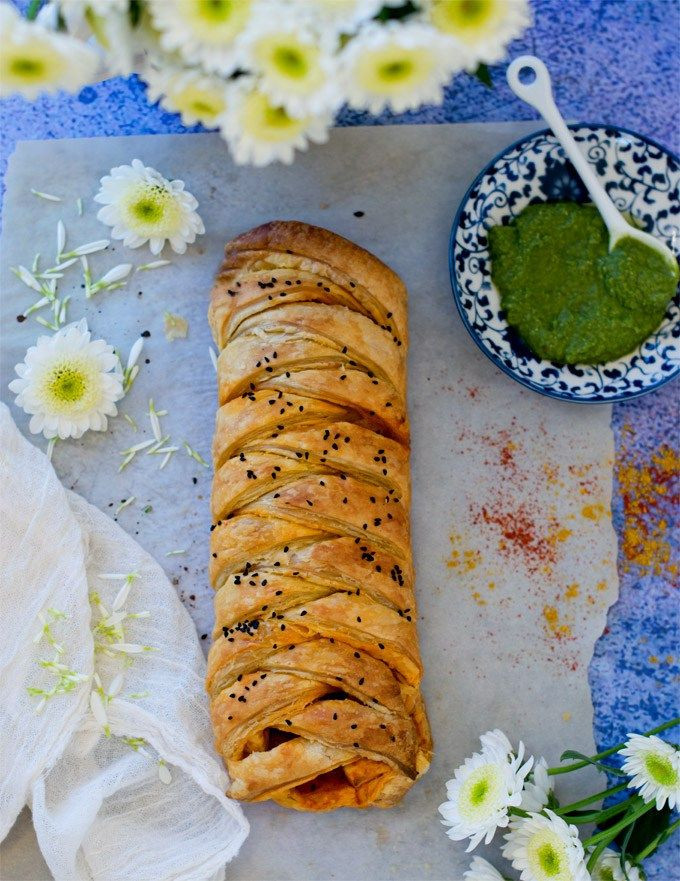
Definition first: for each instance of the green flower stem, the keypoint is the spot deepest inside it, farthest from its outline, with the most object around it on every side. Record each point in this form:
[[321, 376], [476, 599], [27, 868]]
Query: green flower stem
[[574, 806], [660, 838], [595, 856], [33, 9], [610, 833], [517, 812], [614, 749], [581, 818]]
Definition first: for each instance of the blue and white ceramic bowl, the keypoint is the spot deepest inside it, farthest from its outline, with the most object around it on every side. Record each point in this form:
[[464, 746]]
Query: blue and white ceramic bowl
[[642, 178]]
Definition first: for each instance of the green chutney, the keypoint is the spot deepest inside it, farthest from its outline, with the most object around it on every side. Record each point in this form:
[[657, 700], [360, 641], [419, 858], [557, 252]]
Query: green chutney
[[568, 297]]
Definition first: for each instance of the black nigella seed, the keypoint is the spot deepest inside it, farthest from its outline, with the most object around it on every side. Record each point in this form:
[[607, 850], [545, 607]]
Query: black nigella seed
[[383, 726], [380, 645], [359, 619], [288, 722], [303, 613], [358, 213], [361, 681], [335, 717], [356, 745], [357, 655], [353, 725], [214, 555]]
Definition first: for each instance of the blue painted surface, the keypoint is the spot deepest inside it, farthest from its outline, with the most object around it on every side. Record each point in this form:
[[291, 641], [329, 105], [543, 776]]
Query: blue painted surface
[[611, 61]]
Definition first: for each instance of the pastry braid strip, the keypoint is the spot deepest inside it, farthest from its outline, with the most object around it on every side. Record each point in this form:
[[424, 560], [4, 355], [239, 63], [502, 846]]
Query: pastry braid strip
[[314, 672]]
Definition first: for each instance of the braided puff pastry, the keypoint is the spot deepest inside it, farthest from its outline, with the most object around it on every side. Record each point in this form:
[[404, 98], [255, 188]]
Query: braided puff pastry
[[314, 672]]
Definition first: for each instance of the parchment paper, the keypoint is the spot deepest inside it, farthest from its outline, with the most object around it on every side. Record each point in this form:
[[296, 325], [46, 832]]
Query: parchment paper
[[514, 548]]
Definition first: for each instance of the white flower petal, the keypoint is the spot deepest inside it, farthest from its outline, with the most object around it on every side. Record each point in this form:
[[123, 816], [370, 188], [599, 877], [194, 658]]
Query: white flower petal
[[37, 60], [480, 870], [482, 790], [543, 848], [608, 868], [205, 37], [396, 66], [654, 768], [479, 33], [142, 206], [66, 383]]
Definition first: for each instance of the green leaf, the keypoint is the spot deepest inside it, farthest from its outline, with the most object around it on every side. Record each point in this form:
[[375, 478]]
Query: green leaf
[[644, 832], [574, 754], [135, 12], [392, 13], [483, 74]]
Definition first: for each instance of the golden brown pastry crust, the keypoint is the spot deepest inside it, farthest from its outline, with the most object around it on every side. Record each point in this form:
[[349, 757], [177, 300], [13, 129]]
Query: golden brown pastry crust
[[314, 671]]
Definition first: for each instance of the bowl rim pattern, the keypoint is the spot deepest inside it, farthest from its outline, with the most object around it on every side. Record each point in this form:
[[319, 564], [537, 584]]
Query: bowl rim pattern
[[548, 392]]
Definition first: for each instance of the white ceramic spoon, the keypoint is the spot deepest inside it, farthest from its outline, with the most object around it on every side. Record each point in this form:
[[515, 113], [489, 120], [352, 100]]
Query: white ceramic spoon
[[538, 93]]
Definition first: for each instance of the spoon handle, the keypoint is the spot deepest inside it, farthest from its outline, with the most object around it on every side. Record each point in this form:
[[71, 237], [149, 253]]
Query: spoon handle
[[538, 93]]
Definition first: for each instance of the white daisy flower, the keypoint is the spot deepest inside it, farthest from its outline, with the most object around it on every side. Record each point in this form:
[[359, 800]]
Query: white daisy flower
[[480, 870], [142, 206], [396, 66], [203, 32], [482, 790], [68, 383], [480, 29], [608, 868], [259, 132], [545, 848], [196, 96], [338, 16], [537, 788], [654, 767], [295, 65], [35, 60]]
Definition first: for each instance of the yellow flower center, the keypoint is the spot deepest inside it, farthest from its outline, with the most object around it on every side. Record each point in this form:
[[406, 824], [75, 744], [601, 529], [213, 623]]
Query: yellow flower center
[[465, 18], [71, 386], [547, 857], [207, 105], [151, 210], [480, 793], [661, 770], [393, 69], [289, 62], [215, 21], [29, 64], [67, 384], [268, 122]]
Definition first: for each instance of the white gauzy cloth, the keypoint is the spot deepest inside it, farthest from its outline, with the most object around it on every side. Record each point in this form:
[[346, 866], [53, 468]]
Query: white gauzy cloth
[[100, 809]]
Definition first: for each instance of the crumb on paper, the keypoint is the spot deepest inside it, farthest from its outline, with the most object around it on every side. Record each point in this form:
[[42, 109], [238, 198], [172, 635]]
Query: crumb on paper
[[566, 716], [175, 327]]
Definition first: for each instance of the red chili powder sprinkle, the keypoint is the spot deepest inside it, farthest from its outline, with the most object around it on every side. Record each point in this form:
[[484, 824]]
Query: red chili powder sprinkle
[[520, 535]]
